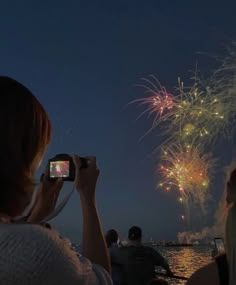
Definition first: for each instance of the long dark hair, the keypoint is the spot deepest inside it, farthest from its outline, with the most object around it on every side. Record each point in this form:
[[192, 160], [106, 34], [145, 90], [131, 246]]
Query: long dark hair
[[26, 132]]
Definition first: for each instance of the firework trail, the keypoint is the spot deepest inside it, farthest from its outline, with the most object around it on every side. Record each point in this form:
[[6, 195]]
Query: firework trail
[[199, 116], [206, 111], [222, 86]]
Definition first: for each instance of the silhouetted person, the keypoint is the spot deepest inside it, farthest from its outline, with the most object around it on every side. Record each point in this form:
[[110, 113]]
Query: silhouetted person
[[112, 238], [138, 261]]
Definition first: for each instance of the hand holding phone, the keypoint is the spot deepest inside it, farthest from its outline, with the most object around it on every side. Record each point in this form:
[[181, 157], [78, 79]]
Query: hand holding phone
[[219, 245]]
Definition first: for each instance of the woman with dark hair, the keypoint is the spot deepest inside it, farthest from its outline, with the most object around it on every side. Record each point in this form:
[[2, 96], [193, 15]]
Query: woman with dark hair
[[30, 253]]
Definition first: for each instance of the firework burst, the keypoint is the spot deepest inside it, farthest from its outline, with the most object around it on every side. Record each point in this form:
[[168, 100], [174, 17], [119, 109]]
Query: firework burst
[[198, 116], [159, 102], [187, 170], [192, 114], [195, 117]]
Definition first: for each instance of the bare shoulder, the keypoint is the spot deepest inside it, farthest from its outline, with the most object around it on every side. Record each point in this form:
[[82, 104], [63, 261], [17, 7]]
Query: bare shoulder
[[204, 275]]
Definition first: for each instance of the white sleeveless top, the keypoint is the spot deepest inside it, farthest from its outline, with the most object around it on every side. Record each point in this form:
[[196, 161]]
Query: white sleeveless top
[[33, 255]]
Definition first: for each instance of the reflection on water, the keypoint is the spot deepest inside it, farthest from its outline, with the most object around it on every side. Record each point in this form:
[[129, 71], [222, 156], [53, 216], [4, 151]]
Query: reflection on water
[[185, 260]]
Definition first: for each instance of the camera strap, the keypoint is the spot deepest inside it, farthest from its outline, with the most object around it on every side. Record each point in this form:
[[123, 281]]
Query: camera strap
[[60, 207]]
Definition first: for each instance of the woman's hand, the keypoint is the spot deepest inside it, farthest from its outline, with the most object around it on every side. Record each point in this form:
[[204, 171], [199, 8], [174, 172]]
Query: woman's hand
[[46, 199], [85, 182], [86, 178]]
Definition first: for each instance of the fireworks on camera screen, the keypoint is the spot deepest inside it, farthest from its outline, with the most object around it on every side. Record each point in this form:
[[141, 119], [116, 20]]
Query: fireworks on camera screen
[[59, 169]]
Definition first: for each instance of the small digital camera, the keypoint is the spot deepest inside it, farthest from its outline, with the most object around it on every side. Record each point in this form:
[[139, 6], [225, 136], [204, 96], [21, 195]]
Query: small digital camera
[[62, 166]]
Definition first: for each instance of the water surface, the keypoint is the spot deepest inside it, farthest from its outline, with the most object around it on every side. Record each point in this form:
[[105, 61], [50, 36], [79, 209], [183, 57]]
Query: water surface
[[185, 260]]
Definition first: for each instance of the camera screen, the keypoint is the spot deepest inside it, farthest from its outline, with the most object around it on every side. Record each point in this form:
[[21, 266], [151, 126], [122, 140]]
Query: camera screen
[[59, 169], [220, 245]]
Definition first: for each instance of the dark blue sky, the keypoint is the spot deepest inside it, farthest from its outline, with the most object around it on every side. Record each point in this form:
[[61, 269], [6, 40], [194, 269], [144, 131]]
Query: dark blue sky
[[82, 60]]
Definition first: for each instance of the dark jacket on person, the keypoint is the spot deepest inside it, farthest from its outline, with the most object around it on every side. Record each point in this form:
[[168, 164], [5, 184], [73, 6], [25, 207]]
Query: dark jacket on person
[[117, 273], [137, 263]]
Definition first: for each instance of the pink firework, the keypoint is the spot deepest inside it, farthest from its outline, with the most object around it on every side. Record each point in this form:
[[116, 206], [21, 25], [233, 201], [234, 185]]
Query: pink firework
[[159, 101]]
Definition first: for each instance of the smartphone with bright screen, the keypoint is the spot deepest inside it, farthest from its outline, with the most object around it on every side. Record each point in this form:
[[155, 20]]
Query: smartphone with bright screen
[[59, 169], [219, 244]]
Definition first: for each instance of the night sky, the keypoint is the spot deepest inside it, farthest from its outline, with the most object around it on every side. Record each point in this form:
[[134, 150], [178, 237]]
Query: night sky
[[82, 60]]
